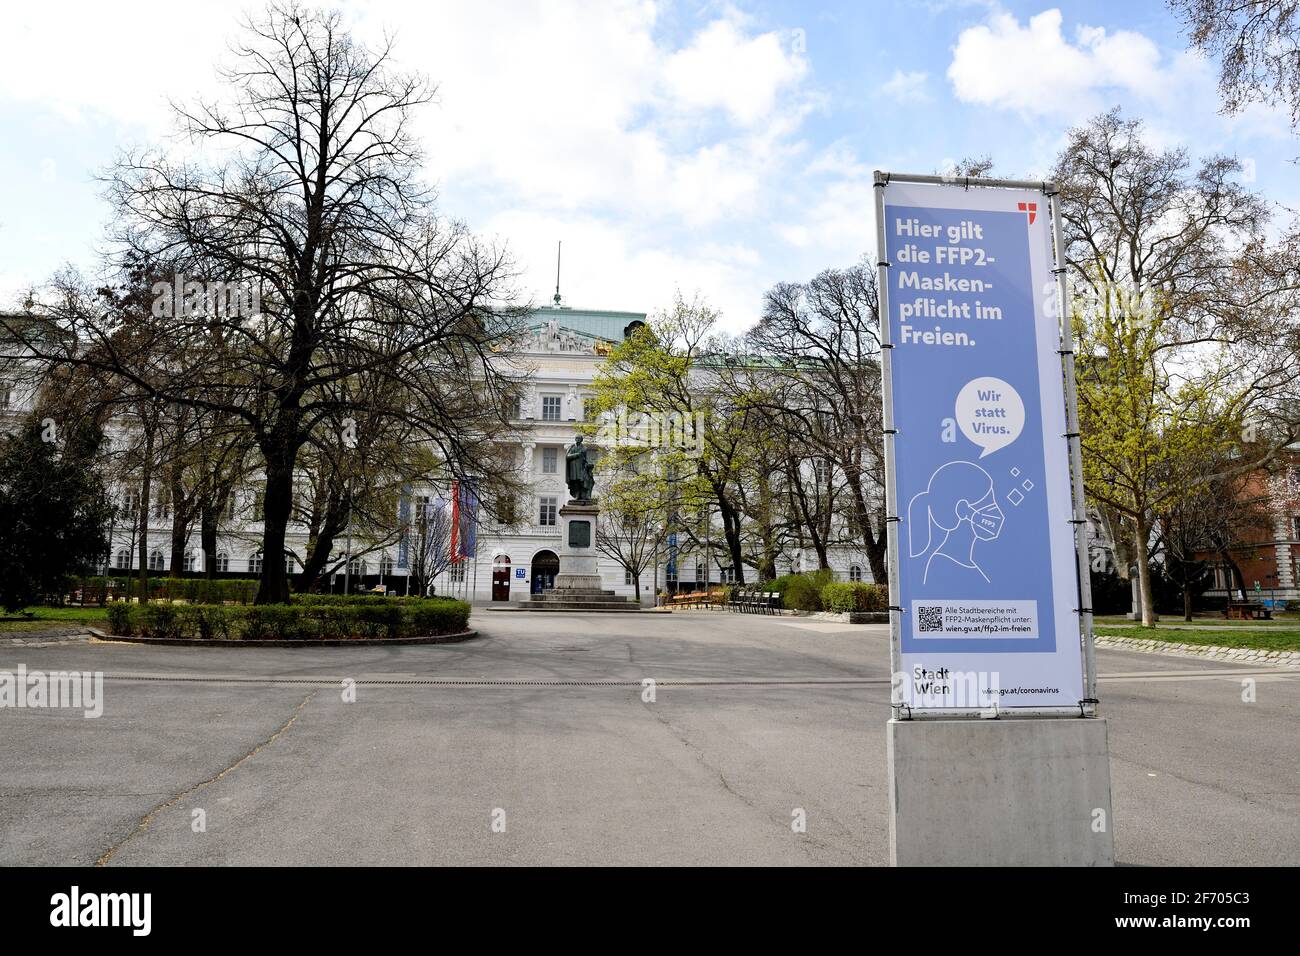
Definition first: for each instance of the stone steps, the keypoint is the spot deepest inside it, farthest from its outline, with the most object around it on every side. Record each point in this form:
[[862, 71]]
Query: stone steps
[[619, 606], [579, 599]]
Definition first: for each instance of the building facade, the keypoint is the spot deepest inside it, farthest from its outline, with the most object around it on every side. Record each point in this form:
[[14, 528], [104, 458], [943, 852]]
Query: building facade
[[562, 351]]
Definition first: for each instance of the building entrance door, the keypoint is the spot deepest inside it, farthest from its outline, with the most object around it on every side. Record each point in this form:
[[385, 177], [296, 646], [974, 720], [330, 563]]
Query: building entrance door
[[501, 578], [546, 565]]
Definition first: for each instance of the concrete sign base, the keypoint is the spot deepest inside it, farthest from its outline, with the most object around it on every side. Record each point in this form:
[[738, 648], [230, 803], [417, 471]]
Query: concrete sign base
[[1005, 792]]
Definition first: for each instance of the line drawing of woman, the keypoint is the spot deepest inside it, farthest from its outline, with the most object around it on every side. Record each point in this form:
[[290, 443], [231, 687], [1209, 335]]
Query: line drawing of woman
[[959, 502]]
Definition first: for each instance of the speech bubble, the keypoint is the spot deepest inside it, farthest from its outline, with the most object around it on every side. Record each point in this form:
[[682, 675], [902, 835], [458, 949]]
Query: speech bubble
[[990, 413]]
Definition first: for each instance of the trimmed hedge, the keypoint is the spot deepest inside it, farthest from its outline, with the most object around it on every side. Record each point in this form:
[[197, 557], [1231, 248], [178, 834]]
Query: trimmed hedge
[[303, 620], [802, 592], [857, 596]]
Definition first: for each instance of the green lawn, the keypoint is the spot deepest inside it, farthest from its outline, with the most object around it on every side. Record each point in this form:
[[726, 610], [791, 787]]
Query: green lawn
[[1265, 638], [1289, 619], [44, 618]]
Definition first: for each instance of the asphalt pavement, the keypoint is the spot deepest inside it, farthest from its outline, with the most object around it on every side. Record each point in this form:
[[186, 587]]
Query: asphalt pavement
[[539, 743]]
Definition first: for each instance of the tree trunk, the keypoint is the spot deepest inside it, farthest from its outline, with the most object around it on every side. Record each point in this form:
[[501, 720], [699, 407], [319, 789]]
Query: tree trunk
[[1237, 576], [208, 540], [1140, 533], [146, 484], [731, 531], [180, 534], [277, 503], [320, 547], [1187, 601]]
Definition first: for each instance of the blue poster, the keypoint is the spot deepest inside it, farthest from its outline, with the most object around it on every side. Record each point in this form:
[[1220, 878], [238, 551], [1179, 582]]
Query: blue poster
[[987, 586]]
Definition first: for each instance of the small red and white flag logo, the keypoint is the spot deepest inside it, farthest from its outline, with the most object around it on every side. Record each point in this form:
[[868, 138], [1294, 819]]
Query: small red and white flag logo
[[1029, 207]]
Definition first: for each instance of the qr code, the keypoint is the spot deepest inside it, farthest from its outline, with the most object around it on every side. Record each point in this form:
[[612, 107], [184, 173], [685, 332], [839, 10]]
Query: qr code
[[930, 618]]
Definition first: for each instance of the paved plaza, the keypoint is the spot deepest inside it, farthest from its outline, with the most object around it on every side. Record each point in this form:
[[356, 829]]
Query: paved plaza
[[533, 745]]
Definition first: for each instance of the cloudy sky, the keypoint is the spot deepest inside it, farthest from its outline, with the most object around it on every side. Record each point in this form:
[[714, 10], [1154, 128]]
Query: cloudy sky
[[712, 147]]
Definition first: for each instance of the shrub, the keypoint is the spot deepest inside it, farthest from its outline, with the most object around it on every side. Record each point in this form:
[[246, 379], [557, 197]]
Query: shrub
[[440, 617], [208, 622], [275, 622], [308, 620], [160, 621], [801, 593], [839, 596], [870, 597], [119, 619]]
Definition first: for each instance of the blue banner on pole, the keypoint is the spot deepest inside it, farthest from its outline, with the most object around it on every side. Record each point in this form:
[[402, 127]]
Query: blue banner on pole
[[986, 561], [468, 512], [404, 522]]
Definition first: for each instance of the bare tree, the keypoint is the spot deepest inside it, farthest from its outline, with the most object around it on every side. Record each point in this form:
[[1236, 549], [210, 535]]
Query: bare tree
[[817, 378], [317, 213], [1257, 44], [633, 522], [429, 541]]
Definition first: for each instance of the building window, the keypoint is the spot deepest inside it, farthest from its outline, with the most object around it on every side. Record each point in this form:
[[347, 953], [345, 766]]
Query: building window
[[551, 408], [162, 506], [699, 570], [123, 559], [506, 513], [289, 564], [255, 564], [131, 504], [259, 506], [155, 560], [727, 576], [855, 573], [458, 572], [6, 394], [190, 558], [627, 576], [546, 511], [423, 510], [517, 408], [1295, 527], [357, 567], [385, 566], [550, 461], [223, 562], [229, 511]]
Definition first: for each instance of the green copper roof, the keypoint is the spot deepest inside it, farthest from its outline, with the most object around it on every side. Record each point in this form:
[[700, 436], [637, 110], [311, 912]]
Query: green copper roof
[[598, 322]]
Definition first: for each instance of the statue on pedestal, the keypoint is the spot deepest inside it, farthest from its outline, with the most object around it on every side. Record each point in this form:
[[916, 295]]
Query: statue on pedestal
[[579, 473]]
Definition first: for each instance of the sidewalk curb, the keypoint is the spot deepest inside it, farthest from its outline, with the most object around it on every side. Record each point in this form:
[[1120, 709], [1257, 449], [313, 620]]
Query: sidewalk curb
[[1234, 655], [368, 642]]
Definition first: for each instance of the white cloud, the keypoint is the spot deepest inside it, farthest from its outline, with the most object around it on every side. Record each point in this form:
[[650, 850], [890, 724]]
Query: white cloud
[[725, 69], [1034, 69], [907, 87], [574, 120], [100, 59]]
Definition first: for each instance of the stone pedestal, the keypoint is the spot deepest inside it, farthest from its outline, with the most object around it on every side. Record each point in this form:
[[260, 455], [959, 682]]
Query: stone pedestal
[[579, 564], [578, 585]]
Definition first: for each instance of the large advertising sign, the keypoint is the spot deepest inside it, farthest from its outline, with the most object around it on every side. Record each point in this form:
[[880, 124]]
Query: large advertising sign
[[987, 609]]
